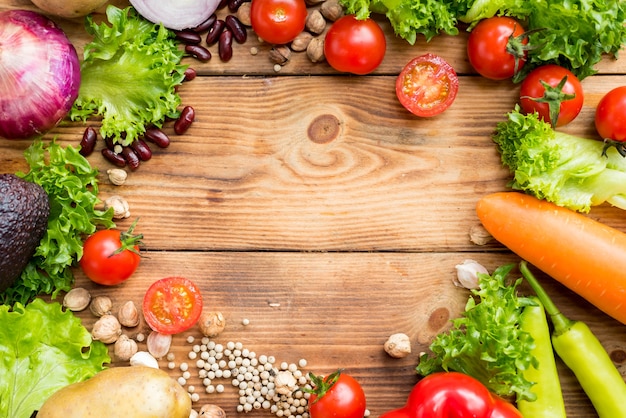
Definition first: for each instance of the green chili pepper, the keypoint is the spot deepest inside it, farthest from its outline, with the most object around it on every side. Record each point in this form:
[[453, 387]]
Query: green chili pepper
[[547, 386], [583, 353]]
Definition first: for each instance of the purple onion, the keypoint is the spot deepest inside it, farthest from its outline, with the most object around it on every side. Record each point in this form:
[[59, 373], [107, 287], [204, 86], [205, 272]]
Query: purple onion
[[39, 74]]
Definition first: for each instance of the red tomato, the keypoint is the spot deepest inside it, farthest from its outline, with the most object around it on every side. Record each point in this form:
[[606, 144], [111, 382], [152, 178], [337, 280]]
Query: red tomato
[[278, 21], [337, 396], [354, 45], [496, 47], [611, 114], [110, 256], [427, 85], [172, 305], [558, 98]]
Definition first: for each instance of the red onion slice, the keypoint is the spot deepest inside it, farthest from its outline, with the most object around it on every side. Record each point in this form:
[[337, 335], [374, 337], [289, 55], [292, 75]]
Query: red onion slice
[[39, 74], [176, 14]]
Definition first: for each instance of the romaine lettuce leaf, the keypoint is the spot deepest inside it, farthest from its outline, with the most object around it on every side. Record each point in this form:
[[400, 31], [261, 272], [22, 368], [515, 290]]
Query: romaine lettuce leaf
[[129, 75], [42, 349]]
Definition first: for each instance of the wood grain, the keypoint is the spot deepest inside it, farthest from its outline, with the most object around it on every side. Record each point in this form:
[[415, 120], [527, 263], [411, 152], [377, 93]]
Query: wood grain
[[314, 205]]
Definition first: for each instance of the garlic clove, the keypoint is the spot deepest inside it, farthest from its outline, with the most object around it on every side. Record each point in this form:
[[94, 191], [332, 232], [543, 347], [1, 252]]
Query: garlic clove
[[143, 358], [128, 314], [467, 274], [158, 344]]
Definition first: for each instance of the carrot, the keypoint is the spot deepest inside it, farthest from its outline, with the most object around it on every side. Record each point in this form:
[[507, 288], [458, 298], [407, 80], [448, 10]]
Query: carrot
[[584, 255]]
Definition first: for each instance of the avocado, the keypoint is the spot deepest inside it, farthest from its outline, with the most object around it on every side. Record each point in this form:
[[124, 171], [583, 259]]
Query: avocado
[[24, 211]]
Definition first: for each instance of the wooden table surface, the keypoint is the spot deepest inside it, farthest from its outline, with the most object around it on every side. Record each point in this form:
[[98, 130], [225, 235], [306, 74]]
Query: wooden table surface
[[328, 246]]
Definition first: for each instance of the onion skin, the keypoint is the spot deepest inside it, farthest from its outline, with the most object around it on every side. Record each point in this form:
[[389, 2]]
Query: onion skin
[[39, 74], [176, 14]]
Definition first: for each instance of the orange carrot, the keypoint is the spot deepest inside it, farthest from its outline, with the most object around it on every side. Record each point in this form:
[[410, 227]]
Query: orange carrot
[[584, 255]]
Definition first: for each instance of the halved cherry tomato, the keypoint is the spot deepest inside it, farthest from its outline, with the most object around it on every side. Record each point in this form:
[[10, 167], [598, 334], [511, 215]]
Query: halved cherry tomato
[[496, 47], [554, 92], [611, 114], [427, 85], [278, 21], [172, 305]]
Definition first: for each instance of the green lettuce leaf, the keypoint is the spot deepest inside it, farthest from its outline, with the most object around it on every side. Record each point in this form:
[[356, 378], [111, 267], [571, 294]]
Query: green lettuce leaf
[[567, 170], [42, 349], [72, 187], [409, 18], [487, 341], [129, 75]]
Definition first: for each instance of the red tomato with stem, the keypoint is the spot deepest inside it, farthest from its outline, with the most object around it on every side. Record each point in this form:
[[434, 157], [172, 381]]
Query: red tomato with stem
[[554, 92], [110, 256], [427, 85], [337, 396], [278, 21], [172, 305], [497, 47], [611, 115], [354, 45]]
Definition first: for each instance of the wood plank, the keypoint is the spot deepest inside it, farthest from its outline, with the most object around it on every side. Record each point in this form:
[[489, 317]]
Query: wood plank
[[337, 309]]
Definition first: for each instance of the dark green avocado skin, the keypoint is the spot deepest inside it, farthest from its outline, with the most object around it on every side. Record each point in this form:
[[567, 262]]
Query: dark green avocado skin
[[24, 211]]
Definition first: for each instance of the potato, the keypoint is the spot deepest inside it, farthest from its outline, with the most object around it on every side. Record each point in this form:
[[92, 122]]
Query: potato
[[69, 8], [132, 392]]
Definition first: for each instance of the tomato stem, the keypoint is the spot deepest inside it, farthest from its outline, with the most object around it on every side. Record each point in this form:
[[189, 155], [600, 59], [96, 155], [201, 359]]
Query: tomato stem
[[129, 241]]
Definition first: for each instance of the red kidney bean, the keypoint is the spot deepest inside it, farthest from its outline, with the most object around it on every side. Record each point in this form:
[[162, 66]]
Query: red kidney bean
[[233, 5], [190, 74], [215, 31], [142, 149], [188, 37], [158, 137], [225, 47], [114, 158], [184, 121], [204, 26], [131, 158], [239, 31], [88, 142], [222, 4], [199, 52]]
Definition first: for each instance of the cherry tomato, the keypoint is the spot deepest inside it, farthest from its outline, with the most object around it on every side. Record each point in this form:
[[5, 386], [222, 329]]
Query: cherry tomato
[[547, 91], [172, 305], [611, 114], [278, 21], [496, 47], [427, 85], [338, 395], [110, 256], [354, 45]]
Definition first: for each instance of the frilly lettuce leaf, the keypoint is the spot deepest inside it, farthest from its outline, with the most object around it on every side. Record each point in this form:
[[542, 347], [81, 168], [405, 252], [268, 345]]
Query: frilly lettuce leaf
[[129, 75], [564, 169], [42, 349], [72, 187], [487, 341]]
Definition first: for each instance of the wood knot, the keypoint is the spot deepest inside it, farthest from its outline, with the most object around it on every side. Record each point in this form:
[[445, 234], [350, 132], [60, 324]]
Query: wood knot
[[618, 356], [324, 129], [438, 319]]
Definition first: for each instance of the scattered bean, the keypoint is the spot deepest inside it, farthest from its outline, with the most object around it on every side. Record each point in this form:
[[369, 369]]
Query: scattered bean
[[204, 26], [88, 142], [184, 121], [142, 149], [131, 158], [233, 5], [158, 137], [199, 52], [225, 46], [215, 31], [240, 34], [113, 157], [188, 37], [222, 4], [190, 74]]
